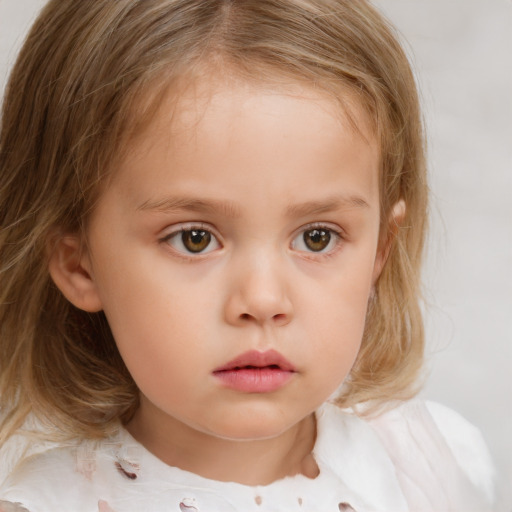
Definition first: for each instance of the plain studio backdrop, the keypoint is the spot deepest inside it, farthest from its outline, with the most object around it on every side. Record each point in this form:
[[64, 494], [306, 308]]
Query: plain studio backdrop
[[462, 53]]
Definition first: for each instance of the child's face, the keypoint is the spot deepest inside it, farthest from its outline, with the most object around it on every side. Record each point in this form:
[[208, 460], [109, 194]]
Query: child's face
[[245, 220]]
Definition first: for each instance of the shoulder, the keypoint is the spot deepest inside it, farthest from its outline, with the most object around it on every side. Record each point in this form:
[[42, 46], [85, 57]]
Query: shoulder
[[19, 447], [59, 478], [467, 445], [423, 455], [420, 435]]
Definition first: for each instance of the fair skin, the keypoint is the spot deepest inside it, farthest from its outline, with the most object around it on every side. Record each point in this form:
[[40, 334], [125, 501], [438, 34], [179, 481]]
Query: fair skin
[[245, 219]]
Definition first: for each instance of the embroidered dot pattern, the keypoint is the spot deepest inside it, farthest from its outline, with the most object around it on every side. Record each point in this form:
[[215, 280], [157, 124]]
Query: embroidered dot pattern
[[124, 472], [189, 505], [345, 507], [103, 506]]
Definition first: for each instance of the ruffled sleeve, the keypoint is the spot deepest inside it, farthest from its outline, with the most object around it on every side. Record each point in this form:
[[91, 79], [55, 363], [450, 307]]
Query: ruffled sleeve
[[441, 460]]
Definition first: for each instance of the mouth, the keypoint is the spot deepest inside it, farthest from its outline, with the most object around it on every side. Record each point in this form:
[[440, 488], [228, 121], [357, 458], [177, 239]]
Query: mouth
[[256, 372]]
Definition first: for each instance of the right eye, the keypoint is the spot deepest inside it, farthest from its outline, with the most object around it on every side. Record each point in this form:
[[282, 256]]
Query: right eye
[[193, 241]]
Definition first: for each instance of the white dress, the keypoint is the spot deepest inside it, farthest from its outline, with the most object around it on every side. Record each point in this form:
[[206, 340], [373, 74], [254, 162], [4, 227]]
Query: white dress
[[418, 457]]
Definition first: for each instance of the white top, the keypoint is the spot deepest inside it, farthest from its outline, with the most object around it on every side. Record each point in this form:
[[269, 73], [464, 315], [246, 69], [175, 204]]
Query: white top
[[419, 457]]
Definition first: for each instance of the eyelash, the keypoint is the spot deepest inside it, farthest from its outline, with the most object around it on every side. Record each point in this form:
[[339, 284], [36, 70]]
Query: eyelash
[[184, 253], [336, 237]]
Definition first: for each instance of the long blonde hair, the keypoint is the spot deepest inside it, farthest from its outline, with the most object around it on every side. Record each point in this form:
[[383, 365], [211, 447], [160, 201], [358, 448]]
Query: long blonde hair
[[90, 73]]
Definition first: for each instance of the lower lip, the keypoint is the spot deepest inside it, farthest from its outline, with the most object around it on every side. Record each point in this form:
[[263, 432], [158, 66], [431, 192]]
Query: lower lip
[[254, 380]]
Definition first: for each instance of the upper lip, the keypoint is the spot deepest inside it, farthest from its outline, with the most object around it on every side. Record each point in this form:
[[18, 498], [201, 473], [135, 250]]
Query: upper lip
[[258, 360]]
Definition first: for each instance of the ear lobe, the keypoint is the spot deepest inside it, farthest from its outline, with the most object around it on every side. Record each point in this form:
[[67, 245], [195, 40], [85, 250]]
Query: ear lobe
[[70, 271], [395, 221]]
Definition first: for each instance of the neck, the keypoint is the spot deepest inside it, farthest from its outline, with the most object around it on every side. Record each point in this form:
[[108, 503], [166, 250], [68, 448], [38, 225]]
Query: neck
[[255, 462]]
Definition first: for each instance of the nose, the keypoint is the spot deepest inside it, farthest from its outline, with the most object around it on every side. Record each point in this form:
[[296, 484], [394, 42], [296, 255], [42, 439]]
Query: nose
[[259, 293]]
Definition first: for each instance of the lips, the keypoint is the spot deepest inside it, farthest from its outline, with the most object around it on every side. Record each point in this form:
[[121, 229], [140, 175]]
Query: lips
[[253, 358], [256, 372]]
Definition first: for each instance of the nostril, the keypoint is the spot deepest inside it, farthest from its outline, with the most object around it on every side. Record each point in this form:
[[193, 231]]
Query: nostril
[[278, 318]]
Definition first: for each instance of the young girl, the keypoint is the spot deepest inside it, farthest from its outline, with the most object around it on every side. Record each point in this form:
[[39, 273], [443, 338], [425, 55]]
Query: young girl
[[213, 214]]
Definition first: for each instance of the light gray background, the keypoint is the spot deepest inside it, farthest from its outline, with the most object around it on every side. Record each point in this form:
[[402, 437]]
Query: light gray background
[[462, 52]]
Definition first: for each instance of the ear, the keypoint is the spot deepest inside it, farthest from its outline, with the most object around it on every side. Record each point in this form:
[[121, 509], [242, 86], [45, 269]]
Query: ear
[[70, 270], [395, 221]]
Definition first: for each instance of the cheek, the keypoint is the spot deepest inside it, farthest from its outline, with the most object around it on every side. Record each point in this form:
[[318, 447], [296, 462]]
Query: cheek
[[162, 343], [334, 316], [141, 288], [340, 296], [158, 313], [151, 314]]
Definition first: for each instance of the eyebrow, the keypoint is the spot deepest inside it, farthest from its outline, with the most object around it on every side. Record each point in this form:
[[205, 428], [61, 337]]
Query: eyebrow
[[170, 204], [230, 209], [329, 204]]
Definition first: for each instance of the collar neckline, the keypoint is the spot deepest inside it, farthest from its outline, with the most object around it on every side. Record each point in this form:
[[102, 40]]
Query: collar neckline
[[355, 469]]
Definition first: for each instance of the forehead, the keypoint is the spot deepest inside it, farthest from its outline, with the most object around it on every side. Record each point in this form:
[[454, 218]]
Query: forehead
[[191, 101], [210, 124]]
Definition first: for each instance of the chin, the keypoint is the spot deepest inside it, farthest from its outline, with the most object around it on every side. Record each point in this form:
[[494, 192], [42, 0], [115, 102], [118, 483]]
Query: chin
[[253, 425]]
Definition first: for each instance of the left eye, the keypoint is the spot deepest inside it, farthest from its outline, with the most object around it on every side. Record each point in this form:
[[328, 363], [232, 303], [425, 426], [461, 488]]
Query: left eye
[[193, 241], [316, 240]]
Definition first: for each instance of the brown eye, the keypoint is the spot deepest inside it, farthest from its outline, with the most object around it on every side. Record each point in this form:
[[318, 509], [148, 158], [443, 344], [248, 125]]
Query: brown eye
[[317, 240], [193, 241], [196, 240]]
